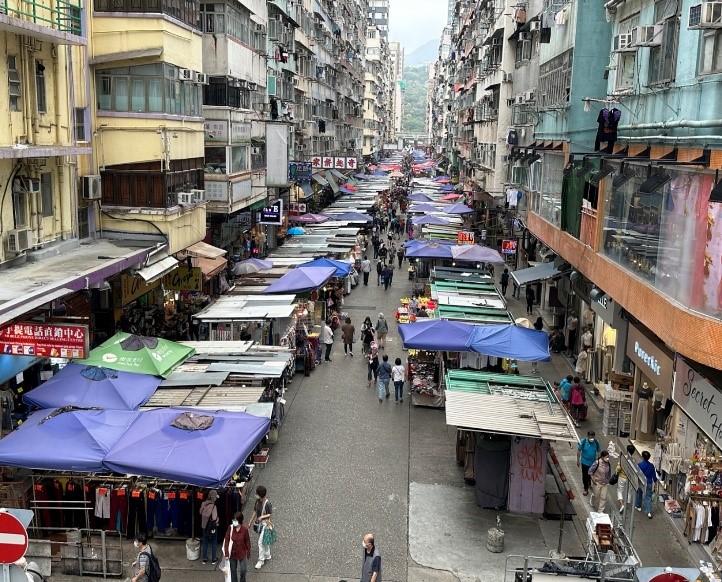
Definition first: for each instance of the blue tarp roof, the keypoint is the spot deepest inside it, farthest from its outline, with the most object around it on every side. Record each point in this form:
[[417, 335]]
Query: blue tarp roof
[[153, 447], [510, 341], [76, 440], [342, 269], [80, 385], [11, 366], [436, 334], [301, 279]]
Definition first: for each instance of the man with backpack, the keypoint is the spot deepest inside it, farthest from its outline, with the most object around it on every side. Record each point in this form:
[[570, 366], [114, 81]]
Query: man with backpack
[[587, 454], [147, 568]]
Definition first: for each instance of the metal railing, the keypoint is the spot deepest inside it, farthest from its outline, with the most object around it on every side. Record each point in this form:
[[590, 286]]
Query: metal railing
[[60, 15], [523, 568]]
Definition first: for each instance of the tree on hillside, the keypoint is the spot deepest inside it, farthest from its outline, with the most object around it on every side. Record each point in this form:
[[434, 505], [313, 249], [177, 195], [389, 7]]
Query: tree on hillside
[[414, 118]]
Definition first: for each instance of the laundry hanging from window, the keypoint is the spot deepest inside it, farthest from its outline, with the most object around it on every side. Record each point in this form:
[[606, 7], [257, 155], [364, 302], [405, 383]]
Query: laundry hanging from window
[[608, 120]]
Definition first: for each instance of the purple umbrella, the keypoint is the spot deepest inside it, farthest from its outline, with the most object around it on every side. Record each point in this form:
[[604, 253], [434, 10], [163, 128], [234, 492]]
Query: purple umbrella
[[419, 197], [309, 218], [475, 254], [423, 208], [458, 209], [350, 217], [430, 219], [250, 266], [510, 341], [436, 334], [301, 279]]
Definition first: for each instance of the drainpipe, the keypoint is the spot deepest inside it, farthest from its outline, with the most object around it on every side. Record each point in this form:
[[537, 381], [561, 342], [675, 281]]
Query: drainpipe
[[28, 77], [673, 124], [672, 138]]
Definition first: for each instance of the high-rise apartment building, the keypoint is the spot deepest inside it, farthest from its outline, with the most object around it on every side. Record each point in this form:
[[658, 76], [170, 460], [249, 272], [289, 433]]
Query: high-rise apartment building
[[378, 15]]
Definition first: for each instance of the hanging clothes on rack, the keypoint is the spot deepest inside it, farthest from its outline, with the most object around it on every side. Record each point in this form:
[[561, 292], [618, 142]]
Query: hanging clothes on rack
[[607, 120]]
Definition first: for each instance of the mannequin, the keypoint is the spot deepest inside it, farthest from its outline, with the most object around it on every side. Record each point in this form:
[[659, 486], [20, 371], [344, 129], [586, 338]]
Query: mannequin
[[644, 393], [658, 409]]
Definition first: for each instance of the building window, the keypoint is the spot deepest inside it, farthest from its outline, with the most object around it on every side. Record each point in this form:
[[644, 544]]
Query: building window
[[710, 54], [81, 129], [40, 87], [20, 209], [14, 87], [84, 222], [662, 58], [152, 88], [46, 194], [626, 61], [555, 80]]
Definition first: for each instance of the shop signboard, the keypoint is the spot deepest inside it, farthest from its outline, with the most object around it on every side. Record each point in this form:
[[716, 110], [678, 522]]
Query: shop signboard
[[331, 162], [606, 308], [699, 400], [508, 247], [300, 172], [651, 358], [240, 132], [272, 214], [276, 154], [184, 279], [465, 237], [129, 288], [46, 340]]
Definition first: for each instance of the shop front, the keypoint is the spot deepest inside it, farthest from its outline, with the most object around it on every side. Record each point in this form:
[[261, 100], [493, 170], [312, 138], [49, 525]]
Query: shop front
[[602, 317], [652, 384]]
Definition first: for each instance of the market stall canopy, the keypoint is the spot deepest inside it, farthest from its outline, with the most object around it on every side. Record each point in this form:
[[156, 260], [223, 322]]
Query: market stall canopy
[[458, 209], [510, 341], [295, 231], [428, 250], [140, 354], [301, 279], [65, 439], [201, 249], [198, 447], [424, 208], [539, 272], [350, 217], [250, 266], [420, 197], [89, 386], [342, 269], [436, 334], [450, 196], [475, 254], [430, 219], [506, 404], [309, 218]]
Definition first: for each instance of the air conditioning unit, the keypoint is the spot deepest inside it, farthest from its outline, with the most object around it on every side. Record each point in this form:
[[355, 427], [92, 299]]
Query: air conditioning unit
[[295, 81], [647, 35], [198, 195], [33, 186], [493, 113], [705, 15], [201, 78], [525, 36], [519, 99], [529, 96], [91, 188], [260, 28], [185, 74], [303, 146], [19, 240], [507, 78], [623, 42], [185, 198], [252, 86], [504, 159], [534, 26]]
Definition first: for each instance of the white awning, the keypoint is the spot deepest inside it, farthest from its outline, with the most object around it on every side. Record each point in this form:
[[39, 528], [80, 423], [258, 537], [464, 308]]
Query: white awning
[[140, 54], [533, 274], [201, 249], [507, 415], [257, 19], [157, 270]]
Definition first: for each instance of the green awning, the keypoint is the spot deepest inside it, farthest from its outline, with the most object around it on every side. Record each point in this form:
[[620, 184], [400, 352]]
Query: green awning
[[332, 182], [257, 205]]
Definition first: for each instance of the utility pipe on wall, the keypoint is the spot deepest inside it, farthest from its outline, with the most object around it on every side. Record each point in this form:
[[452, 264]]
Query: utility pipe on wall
[[673, 124]]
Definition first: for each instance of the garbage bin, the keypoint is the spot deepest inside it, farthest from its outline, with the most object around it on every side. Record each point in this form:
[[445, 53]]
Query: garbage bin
[[193, 549]]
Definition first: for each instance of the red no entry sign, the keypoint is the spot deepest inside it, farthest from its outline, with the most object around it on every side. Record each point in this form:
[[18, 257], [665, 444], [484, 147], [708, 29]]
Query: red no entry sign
[[13, 539]]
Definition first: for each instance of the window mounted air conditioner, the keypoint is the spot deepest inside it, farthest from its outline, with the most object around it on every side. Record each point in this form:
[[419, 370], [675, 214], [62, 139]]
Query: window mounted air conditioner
[[534, 26], [201, 78], [198, 195], [647, 35], [507, 78], [91, 188], [705, 15], [19, 240], [623, 42], [185, 74], [185, 198], [529, 96], [260, 28], [33, 186]]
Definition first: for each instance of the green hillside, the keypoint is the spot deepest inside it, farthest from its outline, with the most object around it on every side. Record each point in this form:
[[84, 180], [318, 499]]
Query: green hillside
[[416, 79]]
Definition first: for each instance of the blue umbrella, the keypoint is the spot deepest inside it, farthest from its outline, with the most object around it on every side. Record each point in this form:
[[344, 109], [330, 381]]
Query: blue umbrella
[[423, 208], [342, 269], [419, 197], [458, 209], [350, 217], [430, 219], [436, 334], [295, 230], [510, 341], [301, 279]]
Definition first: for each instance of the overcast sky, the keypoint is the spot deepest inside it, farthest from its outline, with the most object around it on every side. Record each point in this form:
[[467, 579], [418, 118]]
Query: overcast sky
[[415, 22]]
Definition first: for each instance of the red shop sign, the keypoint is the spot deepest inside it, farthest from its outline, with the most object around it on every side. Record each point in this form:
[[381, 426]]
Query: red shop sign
[[45, 340]]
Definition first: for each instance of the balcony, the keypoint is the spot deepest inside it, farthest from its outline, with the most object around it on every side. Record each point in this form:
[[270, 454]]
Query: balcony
[[55, 21], [186, 12]]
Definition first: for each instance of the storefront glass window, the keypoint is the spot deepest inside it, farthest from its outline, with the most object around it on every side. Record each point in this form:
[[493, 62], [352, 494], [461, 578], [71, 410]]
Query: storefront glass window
[[672, 238]]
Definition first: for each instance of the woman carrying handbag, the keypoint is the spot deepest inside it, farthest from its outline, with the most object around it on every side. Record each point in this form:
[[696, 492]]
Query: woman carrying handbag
[[260, 521]]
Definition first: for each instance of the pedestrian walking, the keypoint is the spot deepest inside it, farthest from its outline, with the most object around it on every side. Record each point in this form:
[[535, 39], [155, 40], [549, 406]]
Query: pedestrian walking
[[650, 472], [366, 270], [384, 377], [400, 255], [504, 281], [370, 560], [327, 338], [572, 327], [237, 548], [398, 374], [622, 481], [587, 454], [530, 297], [347, 332], [383, 252], [582, 364], [260, 520], [565, 388], [141, 564], [373, 365], [600, 472], [376, 243], [379, 271], [367, 335], [382, 328], [209, 527], [578, 400], [386, 277], [515, 292]]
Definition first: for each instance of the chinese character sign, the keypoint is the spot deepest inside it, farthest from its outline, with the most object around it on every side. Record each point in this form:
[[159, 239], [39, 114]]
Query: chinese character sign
[[465, 237], [508, 247], [316, 161], [327, 162], [351, 163], [45, 340], [340, 163], [300, 171]]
